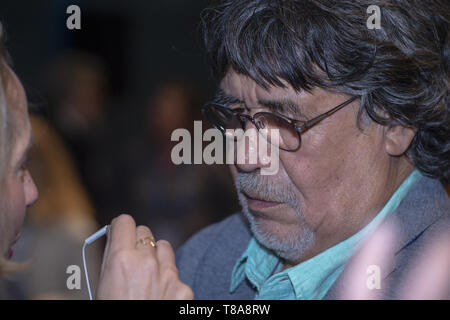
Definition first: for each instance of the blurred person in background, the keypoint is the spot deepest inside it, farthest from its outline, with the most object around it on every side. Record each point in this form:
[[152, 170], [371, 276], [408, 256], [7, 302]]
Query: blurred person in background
[[176, 200], [76, 88], [75, 85]]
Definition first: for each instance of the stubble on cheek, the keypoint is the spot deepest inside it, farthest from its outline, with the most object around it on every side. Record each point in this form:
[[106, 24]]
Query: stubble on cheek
[[289, 238]]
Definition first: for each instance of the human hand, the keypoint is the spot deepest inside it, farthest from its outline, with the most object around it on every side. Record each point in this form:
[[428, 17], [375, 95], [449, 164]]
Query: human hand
[[136, 270]]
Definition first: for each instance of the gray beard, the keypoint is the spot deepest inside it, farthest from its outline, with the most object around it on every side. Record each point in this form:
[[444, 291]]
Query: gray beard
[[291, 246]]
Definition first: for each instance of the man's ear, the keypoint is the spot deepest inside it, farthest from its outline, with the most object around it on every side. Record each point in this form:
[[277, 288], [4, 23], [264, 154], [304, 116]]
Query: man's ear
[[398, 139]]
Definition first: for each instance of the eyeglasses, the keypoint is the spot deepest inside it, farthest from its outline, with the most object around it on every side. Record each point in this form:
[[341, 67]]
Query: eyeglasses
[[289, 130]]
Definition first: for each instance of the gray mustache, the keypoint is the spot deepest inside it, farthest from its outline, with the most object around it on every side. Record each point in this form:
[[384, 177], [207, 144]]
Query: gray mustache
[[263, 187]]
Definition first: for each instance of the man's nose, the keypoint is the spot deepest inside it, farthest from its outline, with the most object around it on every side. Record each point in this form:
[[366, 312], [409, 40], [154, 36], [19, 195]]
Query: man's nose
[[252, 151]]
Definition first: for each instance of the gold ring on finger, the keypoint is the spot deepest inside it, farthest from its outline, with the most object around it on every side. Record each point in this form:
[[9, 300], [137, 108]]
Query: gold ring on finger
[[147, 240]]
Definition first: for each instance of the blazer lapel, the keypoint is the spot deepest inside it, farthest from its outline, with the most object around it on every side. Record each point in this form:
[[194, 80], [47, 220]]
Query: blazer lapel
[[425, 203]]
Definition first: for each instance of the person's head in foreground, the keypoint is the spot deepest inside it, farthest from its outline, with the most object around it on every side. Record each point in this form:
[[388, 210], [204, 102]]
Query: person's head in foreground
[[379, 154], [301, 59], [17, 188]]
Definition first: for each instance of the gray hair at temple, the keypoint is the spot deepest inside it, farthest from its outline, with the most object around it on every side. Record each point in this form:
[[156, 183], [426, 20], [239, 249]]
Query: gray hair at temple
[[401, 71]]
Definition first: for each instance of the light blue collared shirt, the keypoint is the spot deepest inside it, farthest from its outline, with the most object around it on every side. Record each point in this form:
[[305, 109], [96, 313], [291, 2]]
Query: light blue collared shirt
[[312, 278]]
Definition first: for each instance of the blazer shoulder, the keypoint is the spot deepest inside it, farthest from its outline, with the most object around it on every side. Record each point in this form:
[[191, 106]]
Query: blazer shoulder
[[218, 237], [421, 244]]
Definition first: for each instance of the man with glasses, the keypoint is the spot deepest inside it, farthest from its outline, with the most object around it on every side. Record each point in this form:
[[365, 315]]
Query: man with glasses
[[363, 117]]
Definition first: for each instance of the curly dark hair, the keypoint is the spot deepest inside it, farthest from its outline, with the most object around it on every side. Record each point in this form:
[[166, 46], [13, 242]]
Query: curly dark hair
[[401, 71]]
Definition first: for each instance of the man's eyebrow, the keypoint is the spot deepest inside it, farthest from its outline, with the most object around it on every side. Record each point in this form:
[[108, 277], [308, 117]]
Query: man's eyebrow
[[224, 98], [284, 107]]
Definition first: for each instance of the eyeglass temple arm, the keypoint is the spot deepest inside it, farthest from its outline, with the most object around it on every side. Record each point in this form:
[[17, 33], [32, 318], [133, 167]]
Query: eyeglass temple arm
[[316, 120]]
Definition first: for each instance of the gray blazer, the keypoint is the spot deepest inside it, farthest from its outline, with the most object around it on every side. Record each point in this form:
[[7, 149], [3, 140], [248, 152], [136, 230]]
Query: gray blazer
[[206, 260]]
